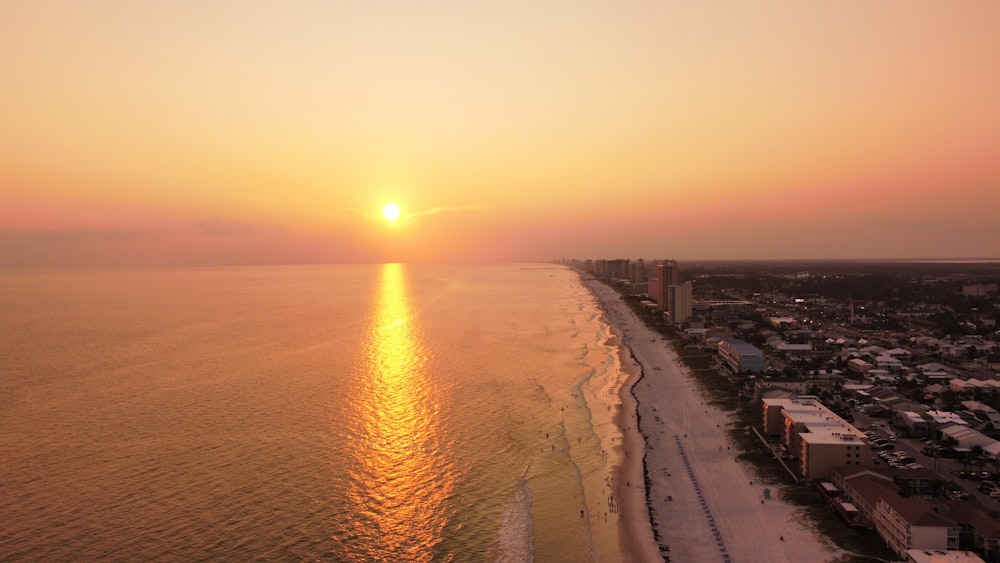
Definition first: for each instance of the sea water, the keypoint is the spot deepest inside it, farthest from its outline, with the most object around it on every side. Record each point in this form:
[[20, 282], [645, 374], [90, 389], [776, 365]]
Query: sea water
[[335, 413]]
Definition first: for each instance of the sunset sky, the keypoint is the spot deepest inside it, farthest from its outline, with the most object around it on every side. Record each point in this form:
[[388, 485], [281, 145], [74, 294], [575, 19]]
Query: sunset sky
[[200, 132]]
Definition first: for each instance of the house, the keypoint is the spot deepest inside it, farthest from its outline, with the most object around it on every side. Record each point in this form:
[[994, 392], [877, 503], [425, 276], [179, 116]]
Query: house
[[989, 385], [963, 385], [857, 365], [913, 423], [888, 363], [880, 376], [940, 419], [936, 368], [983, 412], [938, 377], [860, 391], [934, 390], [900, 354], [824, 373], [871, 351]]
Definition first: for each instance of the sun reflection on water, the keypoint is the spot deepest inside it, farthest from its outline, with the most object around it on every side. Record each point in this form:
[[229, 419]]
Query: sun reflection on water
[[400, 477]]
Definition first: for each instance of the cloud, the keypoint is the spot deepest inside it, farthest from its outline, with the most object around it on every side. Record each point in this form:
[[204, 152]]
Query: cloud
[[352, 213], [220, 227], [67, 236], [55, 247], [445, 209]]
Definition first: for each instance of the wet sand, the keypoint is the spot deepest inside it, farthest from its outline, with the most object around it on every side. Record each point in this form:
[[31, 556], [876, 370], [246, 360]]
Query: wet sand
[[703, 504]]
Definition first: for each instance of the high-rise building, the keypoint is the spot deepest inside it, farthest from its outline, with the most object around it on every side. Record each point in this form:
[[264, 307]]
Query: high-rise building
[[637, 271], [617, 269], [667, 274], [679, 302]]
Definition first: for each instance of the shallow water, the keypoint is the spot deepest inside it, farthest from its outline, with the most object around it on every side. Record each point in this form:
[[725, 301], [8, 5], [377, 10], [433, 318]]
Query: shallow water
[[350, 413]]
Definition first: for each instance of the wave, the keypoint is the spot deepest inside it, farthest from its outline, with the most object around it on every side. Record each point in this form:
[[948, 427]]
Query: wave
[[515, 542]]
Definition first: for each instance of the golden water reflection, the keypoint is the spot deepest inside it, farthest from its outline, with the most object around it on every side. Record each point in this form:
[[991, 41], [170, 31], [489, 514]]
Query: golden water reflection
[[401, 479]]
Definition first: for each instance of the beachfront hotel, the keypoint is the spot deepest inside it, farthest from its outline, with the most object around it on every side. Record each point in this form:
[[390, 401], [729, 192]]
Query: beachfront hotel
[[674, 298], [811, 432], [680, 302], [667, 274]]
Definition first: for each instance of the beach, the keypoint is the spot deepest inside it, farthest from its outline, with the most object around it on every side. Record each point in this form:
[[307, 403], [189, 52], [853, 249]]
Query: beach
[[684, 495]]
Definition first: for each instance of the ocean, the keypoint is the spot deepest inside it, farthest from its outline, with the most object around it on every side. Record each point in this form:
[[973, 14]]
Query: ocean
[[325, 413]]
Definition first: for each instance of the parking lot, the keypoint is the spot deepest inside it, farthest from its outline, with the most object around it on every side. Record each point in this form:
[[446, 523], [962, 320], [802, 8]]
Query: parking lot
[[908, 453]]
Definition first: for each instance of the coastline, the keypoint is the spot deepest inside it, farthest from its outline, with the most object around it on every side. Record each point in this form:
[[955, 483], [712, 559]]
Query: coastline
[[636, 533], [684, 495]]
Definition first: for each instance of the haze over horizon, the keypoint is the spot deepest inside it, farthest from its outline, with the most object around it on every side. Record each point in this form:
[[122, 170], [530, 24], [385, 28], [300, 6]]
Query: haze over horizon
[[175, 133]]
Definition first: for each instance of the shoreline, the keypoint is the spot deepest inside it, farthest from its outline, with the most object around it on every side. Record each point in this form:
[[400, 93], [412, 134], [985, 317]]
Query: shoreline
[[636, 532], [684, 494]]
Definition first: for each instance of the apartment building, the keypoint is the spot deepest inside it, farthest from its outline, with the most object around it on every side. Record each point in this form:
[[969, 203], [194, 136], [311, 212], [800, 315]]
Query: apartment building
[[617, 269], [820, 439], [826, 448], [637, 271], [680, 299], [667, 274], [904, 523]]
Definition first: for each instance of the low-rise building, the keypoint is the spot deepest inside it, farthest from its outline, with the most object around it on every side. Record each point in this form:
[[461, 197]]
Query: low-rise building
[[815, 435], [857, 365], [965, 437], [901, 354], [888, 363], [978, 529], [983, 411], [970, 385], [912, 424], [740, 356], [904, 523], [938, 556], [826, 448]]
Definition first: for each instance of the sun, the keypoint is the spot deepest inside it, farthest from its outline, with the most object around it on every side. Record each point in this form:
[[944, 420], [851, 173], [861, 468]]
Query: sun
[[391, 212]]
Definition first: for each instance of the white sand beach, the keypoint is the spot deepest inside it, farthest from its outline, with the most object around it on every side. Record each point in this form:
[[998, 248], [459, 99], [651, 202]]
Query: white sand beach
[[705, 505]]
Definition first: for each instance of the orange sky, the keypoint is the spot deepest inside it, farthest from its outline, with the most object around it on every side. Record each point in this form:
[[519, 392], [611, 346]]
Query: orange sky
[[197, 132]]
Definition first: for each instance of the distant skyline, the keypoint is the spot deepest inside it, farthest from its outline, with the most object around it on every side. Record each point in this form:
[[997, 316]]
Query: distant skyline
[[253, 132]]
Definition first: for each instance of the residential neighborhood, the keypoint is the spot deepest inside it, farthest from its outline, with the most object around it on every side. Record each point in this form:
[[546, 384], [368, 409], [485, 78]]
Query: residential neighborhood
[[877, 382]]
